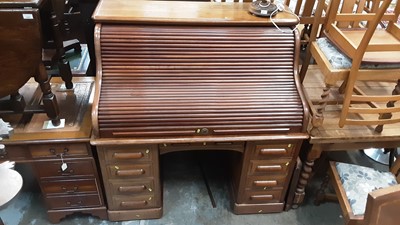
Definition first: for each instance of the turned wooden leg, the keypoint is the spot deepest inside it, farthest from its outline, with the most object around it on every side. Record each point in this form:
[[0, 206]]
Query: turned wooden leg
[[305, 175], [49, 99], [318, 117], [396, 91]]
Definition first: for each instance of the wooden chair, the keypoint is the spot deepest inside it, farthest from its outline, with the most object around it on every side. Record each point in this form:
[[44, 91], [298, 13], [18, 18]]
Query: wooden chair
[[21, 59], [366, 196], [307, 11], [356, 50]]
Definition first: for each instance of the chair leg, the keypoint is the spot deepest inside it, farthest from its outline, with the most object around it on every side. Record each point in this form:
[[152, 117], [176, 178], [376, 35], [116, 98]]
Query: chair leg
[[396, 91], [320, 197], [63, 64], [49, 99], [318, 119]]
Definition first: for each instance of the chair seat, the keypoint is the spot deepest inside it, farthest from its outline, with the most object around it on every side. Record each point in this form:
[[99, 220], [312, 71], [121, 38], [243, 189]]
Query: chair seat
[[358, 181], [339, 60]]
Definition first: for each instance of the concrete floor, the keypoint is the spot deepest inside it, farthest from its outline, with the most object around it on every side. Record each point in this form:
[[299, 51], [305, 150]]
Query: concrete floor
[[186, 200]]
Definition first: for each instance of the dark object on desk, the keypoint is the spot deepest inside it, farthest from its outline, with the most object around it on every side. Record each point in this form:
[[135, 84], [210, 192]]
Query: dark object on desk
[[263, 8], [20, 59]]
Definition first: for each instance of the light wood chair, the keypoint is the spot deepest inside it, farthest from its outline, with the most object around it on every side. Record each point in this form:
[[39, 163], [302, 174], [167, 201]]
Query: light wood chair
[[307, 11], [366, 196], [364, 52]]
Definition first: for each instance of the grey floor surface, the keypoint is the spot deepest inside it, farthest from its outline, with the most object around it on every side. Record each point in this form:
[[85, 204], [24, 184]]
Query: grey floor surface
[[186, 200]]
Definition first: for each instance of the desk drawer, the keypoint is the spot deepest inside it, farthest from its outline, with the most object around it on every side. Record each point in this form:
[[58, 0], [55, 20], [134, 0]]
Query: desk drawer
[[266, 167], [130, 153], [265, 182], [53, 151], [15, 153], [271, 196], [73, 201], [270, 150], [75, 168], [79, 186], [138, 202], [135, 187], [174, 147], [130, 171]]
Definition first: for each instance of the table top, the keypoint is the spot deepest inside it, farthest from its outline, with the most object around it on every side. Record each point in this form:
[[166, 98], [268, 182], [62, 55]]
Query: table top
[[75, 109], [184, 12], [331, 133]]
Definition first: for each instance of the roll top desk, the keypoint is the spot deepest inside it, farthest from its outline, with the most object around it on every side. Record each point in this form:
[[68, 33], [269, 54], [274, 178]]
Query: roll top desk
[[177, 76]]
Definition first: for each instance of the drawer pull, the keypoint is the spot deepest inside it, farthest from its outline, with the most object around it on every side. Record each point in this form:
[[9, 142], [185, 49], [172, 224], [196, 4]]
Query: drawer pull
[[54, 152], [273, 151], [132, 155], [272, 168], [132, 204], [130, 189], [262, 197], [77, 204], [265, 183], [136, 172], [73, 190], [3, 152], [68, 173]]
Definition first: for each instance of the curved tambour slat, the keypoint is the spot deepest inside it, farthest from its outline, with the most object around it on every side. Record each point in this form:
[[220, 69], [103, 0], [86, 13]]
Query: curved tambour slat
[[161, 81]]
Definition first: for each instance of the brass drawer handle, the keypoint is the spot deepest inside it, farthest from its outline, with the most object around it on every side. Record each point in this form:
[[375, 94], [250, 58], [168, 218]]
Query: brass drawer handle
[[73, 190], [131, 189], [133, 155], [273, 151], [262, 197], [272, 168], [265, 183], [136, 172], [131, 204], [77, 204]]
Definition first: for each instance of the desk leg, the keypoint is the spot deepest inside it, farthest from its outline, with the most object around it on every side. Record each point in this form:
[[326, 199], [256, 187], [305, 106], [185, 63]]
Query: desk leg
[[313, 154]]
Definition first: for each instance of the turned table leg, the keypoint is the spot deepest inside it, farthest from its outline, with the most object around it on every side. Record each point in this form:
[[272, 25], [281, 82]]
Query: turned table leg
[[305, 175]]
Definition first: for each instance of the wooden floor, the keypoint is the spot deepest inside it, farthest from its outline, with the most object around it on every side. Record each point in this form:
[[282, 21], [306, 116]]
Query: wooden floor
[[330, 132]]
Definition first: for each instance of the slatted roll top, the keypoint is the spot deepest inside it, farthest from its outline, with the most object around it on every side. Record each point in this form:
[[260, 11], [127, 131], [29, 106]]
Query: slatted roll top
[[195, 81]]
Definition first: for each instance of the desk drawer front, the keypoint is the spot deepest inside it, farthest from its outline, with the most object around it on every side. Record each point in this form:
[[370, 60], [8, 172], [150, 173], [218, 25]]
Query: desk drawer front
[[139, 202], [140, 187], [265, 167], [130, 153], [14, 153], [69, 186], [271, 196], [265, 182], [75, 201], [74, 168], [55, 151], [130, 171], [274, 150]]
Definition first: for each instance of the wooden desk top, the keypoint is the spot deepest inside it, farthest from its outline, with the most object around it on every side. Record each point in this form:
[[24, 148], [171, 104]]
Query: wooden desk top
[[184, 12], [75, 108], [331, 133]]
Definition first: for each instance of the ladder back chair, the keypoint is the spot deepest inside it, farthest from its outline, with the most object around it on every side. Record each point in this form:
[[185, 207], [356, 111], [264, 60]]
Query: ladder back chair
[[21, 59], [366, 196], [307, 10], [357, 49]]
